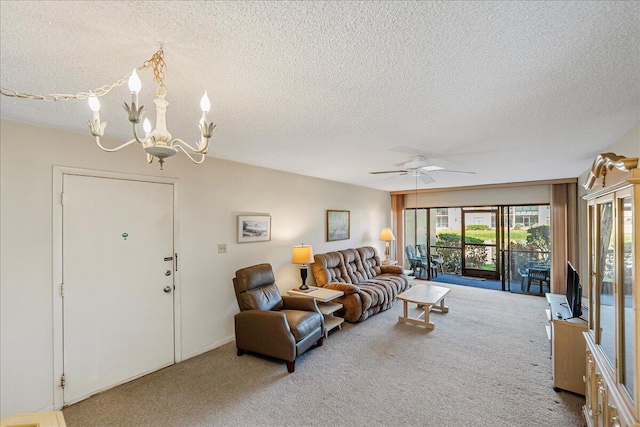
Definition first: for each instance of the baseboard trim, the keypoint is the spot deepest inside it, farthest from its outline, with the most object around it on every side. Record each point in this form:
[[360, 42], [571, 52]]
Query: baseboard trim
[[208, 348]]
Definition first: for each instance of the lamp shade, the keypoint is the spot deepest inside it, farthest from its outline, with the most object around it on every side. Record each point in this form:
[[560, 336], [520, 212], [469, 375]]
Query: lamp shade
[[302, 254], [387, 235]]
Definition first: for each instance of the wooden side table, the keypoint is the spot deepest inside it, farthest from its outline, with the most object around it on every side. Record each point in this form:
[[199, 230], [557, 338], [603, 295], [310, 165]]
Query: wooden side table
[[327, 307]]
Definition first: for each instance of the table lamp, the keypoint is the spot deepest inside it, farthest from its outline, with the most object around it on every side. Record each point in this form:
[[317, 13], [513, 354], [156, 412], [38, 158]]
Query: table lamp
[[303, 255], [386, 236]]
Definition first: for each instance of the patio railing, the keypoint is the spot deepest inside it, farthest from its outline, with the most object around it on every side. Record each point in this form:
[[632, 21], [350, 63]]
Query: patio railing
[[518, 261]]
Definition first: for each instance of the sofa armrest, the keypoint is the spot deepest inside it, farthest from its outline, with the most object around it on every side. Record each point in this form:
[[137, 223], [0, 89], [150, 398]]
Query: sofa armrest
[[265, 332], [347, 288], [300, 303], [394, 269]]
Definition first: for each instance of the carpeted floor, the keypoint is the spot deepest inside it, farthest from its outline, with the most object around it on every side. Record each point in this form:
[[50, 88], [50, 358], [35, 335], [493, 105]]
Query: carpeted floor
[[486, 363]]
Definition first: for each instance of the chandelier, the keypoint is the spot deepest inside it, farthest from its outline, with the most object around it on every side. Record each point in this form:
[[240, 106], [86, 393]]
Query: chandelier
[[157, 142]]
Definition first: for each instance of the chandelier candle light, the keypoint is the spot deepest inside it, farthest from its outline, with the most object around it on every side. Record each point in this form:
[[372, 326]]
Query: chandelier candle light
[[157, 142], [303, 255]]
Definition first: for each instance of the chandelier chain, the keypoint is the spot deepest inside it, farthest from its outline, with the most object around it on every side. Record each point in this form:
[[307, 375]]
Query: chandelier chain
[[156, 62]]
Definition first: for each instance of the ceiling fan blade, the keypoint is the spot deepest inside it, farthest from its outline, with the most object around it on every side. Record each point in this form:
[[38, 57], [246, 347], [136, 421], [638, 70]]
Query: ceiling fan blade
[[379, 172], [447, 170], [416, 162], [426, 178], [431, 168]]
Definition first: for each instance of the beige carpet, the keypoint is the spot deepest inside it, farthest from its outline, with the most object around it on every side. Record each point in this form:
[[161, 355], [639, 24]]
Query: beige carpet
[[485, 364]]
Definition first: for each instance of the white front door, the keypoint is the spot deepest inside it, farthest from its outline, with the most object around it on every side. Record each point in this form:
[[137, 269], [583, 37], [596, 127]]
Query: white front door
[[118, 304]]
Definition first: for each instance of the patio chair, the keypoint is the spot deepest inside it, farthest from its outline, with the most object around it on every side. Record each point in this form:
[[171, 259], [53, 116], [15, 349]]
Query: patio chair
[[421, 248], [415, 263], [538, 275], [524, 274], [438, 261]]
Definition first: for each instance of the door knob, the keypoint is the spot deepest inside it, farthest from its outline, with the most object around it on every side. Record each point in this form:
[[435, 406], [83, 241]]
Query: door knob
[[167, 289]]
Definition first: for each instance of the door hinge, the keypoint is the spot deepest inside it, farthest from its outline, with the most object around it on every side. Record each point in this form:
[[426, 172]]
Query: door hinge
[[61, 289], [176, 255], [62, 381], [62, 198]]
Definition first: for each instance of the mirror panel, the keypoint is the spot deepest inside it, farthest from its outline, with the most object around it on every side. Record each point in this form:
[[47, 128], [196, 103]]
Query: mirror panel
[[606, 247], [627, 307]]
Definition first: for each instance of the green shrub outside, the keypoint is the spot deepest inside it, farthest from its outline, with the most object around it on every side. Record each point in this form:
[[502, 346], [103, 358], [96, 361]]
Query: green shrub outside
[[478, 227], [535, 250], [451, 257], [525, 243]]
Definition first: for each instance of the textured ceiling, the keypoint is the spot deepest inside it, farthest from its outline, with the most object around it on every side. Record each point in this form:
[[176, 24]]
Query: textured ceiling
[[514, 91]]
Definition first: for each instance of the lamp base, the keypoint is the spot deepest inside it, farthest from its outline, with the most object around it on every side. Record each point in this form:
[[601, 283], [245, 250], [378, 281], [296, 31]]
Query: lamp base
[[303, 275]]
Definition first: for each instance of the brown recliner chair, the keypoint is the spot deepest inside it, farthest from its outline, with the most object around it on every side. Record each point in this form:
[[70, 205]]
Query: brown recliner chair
[[271, 324]]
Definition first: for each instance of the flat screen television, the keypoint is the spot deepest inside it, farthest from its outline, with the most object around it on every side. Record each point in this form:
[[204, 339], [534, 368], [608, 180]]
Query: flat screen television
[[574, 291]]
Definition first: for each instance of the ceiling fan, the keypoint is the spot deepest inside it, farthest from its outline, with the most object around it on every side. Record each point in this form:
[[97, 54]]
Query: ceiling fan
[[417, 166]]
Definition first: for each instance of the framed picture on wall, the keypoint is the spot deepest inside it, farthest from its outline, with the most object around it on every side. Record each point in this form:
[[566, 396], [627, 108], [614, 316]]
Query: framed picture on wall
[[338, 225], [254, 228]]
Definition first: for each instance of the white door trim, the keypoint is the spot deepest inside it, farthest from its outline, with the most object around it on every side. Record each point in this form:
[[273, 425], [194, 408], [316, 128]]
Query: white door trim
[[58, 351]]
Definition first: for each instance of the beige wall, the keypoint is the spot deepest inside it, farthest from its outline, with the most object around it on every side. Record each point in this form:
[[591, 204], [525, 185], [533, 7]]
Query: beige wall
[[210, 197]]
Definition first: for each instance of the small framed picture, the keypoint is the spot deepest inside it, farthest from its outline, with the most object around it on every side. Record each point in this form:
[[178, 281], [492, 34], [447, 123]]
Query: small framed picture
[[254, 228], [338, 225]]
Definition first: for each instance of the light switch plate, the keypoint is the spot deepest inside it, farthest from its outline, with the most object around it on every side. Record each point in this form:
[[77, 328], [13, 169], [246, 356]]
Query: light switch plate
[[222, 248]]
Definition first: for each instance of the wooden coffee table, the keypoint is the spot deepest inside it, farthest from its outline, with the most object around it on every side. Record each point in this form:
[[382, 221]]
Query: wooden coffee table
[[428, 297]]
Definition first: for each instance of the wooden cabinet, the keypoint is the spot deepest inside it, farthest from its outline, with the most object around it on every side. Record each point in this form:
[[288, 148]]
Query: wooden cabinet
[[602, 407], [612, 360], [567, 345]]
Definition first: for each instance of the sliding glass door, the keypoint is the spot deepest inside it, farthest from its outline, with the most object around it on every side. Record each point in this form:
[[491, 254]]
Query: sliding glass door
[[416, 230], [488, 242], [480, 243], [527, 245], [446, 242]]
